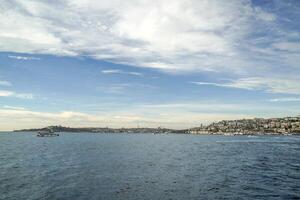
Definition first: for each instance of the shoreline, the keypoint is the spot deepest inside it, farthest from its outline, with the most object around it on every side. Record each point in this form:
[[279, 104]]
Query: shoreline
[[256, 126], [170, 133]]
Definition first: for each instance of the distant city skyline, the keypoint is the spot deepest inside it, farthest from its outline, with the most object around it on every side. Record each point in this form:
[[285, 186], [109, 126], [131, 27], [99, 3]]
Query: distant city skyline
[[159, 63]]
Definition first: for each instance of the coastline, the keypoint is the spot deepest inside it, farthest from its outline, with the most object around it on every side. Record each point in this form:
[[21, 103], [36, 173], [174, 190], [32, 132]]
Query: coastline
[[248, 127]]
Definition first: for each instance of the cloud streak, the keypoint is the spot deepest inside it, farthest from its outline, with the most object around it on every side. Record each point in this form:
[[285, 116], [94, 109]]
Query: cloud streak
[[8, 93], [118, 71], [23, 57], [13, 107], [271, 85], [290, 99]]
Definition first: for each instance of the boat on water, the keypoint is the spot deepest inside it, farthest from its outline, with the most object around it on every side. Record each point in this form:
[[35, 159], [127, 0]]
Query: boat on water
[[47, 133]]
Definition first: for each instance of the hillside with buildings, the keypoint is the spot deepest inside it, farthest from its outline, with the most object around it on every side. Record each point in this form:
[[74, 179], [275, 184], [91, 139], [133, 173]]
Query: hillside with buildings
[[256, 126]]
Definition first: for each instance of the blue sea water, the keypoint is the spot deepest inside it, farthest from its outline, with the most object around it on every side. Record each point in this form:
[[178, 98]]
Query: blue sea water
[[145, 166]]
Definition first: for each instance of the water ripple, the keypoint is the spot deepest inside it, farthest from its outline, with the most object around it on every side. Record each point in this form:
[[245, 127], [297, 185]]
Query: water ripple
[[90, 166]]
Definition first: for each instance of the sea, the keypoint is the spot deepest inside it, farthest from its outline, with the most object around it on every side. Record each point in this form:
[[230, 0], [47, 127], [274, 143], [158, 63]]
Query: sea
[[95, 166]]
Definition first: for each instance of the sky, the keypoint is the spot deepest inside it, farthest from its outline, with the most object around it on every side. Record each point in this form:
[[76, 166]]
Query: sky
[[147, 63]]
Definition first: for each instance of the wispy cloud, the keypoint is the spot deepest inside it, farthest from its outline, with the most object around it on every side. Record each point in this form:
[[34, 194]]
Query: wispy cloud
[[8, 93], [209, 83], [118, 71], [163, 34], [24, 95], [5, 83], [272, 85], [135, 73], [245, 43], [235, 38], [111, 71], [14, 107], [289, 99], [23, 57]]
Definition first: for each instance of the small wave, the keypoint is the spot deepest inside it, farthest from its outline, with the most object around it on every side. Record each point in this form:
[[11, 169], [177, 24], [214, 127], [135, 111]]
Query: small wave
[[243, 141]]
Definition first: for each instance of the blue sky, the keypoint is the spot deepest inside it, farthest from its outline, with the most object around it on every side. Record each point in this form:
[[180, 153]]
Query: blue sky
[[157, 63]]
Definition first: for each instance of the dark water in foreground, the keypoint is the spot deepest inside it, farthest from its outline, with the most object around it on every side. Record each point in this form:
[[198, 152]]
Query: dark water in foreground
[[114, 166]]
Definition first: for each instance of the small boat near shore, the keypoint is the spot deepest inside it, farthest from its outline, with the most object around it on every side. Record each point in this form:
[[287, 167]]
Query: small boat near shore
[[46, 133]]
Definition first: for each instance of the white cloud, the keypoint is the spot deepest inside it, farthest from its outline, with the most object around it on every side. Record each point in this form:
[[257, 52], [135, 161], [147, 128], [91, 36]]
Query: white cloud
[[135, 73], [23, 57], [272, 85], [118, 71], [7, 93], [288, 99], [234, 37], [176, 34], [208, 83], [111, 71], [5, 83], [14, 107]]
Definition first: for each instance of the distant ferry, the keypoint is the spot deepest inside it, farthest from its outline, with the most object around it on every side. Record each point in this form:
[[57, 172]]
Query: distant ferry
[[47, 133]]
